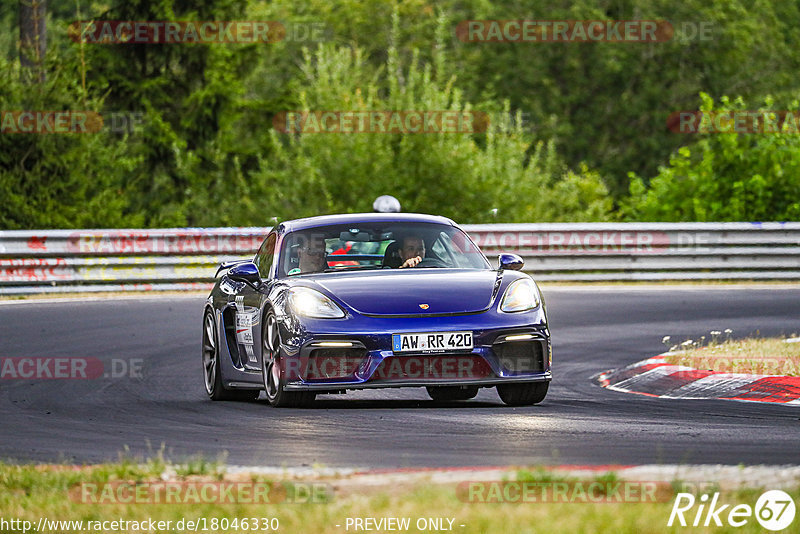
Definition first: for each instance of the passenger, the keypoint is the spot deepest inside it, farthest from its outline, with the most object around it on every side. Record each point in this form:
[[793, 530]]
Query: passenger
[[311, 257]]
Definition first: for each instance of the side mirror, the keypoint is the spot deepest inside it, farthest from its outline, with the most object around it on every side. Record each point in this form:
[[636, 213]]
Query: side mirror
[[510, 261], [246, 272]]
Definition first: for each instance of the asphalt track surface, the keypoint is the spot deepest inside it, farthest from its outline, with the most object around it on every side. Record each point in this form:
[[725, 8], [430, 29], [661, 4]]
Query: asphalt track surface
[[593, 329]]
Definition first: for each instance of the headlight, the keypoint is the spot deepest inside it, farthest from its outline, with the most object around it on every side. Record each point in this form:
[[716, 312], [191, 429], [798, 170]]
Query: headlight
[[311, 303], [520, 295]]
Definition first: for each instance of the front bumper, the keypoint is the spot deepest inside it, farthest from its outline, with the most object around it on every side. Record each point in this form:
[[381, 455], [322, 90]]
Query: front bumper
[[488, 382], [336, 360]]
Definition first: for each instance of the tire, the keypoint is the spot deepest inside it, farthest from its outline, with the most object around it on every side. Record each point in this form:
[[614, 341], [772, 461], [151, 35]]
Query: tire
[[215, 390], [452, 393], [272, 372], [523, 394]]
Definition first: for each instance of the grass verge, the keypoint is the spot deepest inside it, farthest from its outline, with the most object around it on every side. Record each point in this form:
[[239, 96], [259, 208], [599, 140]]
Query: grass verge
[[760, 356], [30, 492]]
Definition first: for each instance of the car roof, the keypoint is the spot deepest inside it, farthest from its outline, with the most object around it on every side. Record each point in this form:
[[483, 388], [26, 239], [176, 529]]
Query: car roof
[[355, 218]]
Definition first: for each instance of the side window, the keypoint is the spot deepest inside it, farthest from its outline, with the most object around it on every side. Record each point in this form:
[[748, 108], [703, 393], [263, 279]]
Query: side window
[[441, 249], [265, 255]]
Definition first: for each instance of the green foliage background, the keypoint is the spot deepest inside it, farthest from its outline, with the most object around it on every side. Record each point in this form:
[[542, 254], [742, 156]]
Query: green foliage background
[[578, 130]]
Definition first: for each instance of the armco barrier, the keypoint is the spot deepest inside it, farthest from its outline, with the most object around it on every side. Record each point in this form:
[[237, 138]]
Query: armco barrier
[[50, 261], [119, 260], [648, 251]]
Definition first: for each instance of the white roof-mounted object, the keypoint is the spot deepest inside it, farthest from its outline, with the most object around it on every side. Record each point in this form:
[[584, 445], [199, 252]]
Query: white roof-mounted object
[[386, 204]]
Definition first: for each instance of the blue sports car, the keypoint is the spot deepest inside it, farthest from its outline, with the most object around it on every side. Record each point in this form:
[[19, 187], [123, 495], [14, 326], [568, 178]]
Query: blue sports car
[[376, 300]]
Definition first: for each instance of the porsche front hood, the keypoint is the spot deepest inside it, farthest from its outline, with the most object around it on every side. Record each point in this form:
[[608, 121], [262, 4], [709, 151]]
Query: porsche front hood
[[413, 291]]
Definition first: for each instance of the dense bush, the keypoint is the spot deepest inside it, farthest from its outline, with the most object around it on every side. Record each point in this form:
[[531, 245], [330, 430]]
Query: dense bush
[[724, 177], [61, 180], [605, 104], [459, 175]]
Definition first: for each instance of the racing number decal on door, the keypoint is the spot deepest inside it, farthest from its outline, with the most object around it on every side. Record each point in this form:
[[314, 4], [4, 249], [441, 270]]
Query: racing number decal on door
[[246, 319]]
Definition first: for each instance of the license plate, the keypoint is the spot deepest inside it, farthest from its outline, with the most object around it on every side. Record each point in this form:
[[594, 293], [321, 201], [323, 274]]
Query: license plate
[[432, 342]]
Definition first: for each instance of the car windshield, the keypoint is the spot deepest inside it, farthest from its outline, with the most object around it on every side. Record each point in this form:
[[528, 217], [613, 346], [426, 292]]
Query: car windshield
[[378, 246]]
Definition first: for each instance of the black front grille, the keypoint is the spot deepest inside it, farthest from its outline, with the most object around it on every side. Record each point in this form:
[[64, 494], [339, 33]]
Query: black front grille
[[430, 367], [323, 364], [517, 357]]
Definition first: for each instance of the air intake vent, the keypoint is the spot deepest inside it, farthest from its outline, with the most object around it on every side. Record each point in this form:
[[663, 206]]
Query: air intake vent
[[326, 364], [521, 357]]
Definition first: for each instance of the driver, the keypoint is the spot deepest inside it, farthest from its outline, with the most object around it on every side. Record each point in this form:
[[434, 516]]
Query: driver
[[412, 252]]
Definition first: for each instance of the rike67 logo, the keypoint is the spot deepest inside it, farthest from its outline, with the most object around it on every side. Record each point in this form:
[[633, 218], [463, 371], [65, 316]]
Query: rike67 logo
[[774, 510]]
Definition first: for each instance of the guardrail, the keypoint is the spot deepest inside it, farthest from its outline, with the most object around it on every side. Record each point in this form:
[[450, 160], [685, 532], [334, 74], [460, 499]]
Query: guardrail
[[180, 259], [648, 251], [51, 261]]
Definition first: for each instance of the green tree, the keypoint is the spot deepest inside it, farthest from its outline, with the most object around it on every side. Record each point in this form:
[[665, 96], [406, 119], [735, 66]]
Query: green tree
[[187, 94], [605, 104], [459, 175], [73, 180], [724, 177]]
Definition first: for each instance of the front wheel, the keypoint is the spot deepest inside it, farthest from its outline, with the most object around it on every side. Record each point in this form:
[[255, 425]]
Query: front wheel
[[452, 393], [523, 394], [272, 369]]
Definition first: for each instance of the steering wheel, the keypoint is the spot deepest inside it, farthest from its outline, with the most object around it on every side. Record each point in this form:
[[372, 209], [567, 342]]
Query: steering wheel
[[431, 262]]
